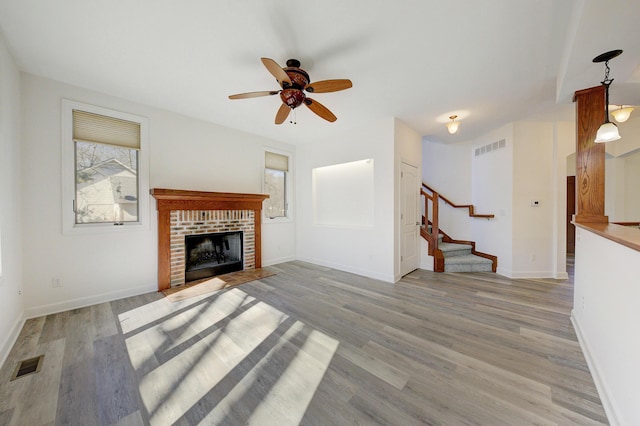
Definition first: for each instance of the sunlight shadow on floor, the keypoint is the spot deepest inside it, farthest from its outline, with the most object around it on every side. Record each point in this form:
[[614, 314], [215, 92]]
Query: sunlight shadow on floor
[[205, 358]]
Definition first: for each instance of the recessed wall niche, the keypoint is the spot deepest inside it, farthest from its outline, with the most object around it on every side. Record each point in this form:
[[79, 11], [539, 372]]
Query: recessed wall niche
[[343, 194]]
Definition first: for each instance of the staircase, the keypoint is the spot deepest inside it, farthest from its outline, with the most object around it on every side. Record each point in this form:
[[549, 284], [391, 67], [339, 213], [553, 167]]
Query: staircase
[[458, 258], [451, 255]]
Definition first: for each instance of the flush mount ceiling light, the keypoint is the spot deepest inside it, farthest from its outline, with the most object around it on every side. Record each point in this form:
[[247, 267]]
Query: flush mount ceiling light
[[452, 126], [608, 131], [622, 113]]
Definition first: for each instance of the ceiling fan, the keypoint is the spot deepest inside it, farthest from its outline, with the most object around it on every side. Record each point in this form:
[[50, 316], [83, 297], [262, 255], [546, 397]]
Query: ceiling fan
[[294, 82]]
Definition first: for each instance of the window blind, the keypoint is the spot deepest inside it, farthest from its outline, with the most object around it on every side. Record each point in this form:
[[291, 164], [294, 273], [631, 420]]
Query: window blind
[[98, 128], [276, 161]]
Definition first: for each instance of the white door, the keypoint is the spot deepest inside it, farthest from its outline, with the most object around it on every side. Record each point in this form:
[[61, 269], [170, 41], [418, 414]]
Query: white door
[[409, 220]]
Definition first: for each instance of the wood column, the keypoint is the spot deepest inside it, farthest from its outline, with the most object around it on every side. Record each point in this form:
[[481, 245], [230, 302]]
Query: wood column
[[590, 107]]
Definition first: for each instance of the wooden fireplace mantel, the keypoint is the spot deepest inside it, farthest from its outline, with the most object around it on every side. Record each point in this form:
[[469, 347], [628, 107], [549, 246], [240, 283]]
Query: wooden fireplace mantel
[[168, 200], [178, 199]]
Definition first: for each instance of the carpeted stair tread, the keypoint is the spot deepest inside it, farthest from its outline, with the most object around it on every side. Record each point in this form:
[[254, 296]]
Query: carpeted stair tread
[[467, 259], [467, 263], [454, 249], [453, 246]]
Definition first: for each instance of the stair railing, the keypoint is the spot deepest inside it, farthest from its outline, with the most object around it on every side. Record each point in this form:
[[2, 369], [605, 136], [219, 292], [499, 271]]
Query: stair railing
[[430, 217], [470, 207]]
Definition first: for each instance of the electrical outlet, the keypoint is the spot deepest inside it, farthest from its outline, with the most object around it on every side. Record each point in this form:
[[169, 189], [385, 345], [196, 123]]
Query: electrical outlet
[[56, 282]]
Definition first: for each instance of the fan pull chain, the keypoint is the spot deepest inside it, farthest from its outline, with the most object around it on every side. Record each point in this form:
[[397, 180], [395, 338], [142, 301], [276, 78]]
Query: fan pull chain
[[295, 118]]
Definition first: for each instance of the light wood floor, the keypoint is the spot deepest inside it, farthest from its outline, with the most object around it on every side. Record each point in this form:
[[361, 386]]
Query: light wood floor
[[312, 346]]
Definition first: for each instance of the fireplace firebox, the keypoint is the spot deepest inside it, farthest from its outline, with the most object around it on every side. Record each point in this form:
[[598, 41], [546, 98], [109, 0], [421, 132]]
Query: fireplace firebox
[[208, 255]]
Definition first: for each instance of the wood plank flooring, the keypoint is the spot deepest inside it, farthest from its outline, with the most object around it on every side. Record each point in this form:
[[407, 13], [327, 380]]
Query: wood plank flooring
[[312, 346]]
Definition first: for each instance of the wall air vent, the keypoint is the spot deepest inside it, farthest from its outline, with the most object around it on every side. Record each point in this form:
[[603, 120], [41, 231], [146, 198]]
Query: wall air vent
[[485, 149]]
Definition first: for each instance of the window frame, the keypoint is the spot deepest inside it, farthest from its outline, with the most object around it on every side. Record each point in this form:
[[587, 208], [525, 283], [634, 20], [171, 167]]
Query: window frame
[[69, 225], [288, 187]]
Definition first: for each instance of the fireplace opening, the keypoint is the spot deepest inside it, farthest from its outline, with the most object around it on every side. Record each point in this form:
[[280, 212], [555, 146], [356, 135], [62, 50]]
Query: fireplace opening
[[208, 255]]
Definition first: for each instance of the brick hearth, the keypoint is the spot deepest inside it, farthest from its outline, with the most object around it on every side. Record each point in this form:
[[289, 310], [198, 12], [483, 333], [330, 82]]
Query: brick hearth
[[183, 213]]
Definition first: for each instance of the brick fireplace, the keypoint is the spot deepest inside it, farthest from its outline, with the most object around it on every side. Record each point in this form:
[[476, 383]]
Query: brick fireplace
[[182, 213]]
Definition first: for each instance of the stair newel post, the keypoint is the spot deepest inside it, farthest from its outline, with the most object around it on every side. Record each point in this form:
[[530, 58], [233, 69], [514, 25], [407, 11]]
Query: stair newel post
[[435, 230]]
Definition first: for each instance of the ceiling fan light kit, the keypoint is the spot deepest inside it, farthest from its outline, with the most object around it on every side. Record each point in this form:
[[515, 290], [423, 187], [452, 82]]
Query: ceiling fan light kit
[[294, 81], [608, 131]]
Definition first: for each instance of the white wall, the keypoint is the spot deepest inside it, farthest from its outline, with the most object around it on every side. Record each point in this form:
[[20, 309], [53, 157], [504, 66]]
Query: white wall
[[366, 251], [184, 154], [11, 301], [447, 169], [606, 317], [622, 173], [564, 149], [632, 195], [533, 181], [492, 186]]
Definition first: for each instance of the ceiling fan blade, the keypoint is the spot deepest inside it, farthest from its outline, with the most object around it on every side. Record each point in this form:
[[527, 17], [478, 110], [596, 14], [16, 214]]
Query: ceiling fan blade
[[277, 71], [254, 94], [282, 114], [328, 86], [320, 110]]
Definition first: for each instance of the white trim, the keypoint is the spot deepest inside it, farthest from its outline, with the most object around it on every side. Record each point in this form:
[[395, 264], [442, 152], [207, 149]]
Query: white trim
[[271, 262], [69, 227], [387, 278], [598, 379], [533, 274], [289, 184], [560, 275], [11, 338], [67, 305]]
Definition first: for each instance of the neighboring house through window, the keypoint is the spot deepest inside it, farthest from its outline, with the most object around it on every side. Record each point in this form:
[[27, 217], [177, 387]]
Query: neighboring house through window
[[108, 185]]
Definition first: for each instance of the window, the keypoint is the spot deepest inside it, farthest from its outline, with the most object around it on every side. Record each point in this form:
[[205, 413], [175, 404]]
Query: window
[[276, 169], [104, 169]]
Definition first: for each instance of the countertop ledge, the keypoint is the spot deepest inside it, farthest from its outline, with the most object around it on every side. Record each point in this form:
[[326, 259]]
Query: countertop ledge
[[625, 235]]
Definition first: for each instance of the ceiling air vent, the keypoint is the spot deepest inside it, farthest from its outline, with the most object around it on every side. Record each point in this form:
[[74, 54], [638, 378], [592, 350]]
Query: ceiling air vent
[[485, 149]]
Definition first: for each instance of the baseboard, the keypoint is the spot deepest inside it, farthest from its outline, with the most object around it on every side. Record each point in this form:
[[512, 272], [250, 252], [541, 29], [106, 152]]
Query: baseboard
[[390, 278], [598, 379], [269, 262], [54, 308], [11, 338], [528, 274], [561, 276], [504, 272]]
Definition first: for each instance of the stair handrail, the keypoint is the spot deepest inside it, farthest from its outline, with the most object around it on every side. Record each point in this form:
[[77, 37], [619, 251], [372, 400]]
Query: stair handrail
[[429, 236], [470, 207], [431, 195]]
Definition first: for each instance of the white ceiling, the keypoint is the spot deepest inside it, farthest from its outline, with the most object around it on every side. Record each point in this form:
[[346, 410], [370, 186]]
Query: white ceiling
[[490, 62]]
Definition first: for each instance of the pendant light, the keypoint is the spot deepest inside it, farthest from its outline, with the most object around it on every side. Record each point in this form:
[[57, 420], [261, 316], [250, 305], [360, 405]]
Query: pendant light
[[622, 114], [452, 126], [608, 131]]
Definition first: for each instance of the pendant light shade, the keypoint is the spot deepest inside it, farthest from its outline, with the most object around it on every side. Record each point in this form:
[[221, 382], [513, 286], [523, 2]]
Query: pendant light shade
[[607, 132], [452, 126], [622, 114]]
